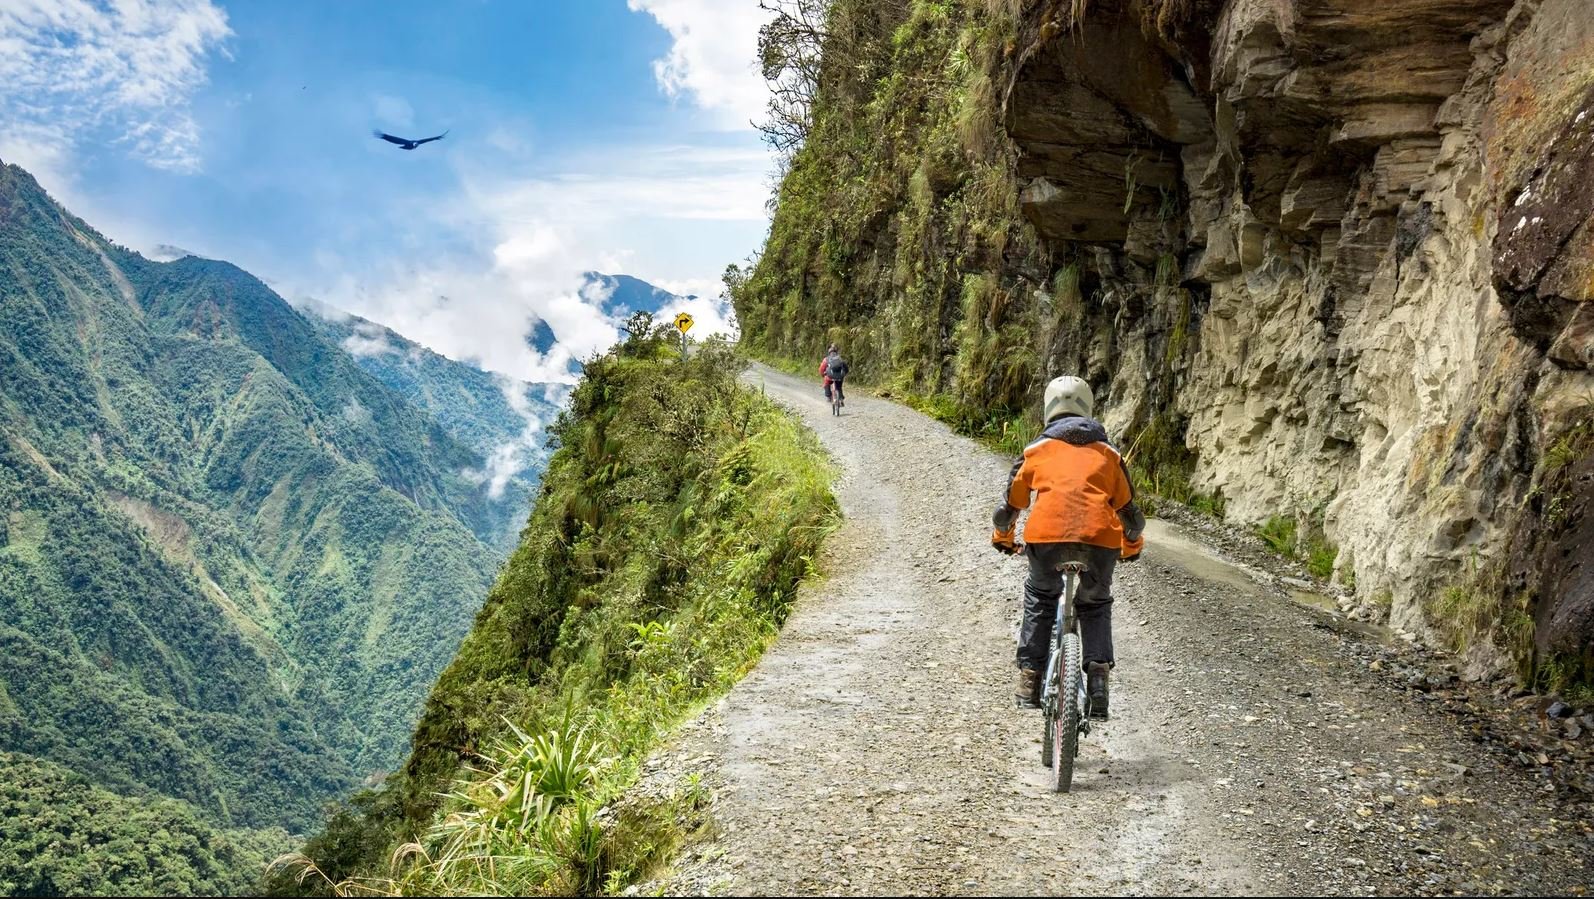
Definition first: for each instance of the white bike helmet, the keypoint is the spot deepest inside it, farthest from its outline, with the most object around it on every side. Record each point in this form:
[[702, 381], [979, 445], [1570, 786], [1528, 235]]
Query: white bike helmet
[[1068, 395]]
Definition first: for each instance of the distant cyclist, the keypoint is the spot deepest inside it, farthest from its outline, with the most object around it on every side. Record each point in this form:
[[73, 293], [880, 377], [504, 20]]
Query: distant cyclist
[[1083, 511], [834, 370]]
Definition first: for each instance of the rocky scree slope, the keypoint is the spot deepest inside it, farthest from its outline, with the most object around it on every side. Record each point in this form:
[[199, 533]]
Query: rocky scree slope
[[1330, 260]]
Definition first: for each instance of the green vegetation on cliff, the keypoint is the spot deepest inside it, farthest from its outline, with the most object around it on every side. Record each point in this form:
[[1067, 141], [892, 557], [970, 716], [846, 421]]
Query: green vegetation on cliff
[[79, 840], [895, 211], [231, 561], [675, 521], [898, 234]]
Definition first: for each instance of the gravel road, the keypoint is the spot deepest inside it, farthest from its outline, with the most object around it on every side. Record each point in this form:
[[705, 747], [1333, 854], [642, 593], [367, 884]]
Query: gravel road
[[1255, 747]]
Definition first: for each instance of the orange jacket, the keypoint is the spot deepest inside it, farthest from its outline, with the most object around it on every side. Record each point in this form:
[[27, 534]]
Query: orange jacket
[[1081, 489]]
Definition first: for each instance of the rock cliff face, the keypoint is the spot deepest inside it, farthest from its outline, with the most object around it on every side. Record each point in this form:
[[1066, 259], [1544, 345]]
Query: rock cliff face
[[1335, 258], [1379, 212]]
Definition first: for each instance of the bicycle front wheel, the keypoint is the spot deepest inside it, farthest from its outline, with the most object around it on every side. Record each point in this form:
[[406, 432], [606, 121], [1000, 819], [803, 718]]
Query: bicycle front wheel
[[1064, 730], [1048, 744]]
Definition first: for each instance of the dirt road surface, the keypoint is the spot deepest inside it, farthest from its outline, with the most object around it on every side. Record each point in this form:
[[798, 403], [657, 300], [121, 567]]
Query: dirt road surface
[[1253, 749]]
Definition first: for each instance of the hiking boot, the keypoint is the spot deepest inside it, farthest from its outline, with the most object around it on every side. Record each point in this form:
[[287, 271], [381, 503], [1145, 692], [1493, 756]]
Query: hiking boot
[[1029, 687], [1096, 686]]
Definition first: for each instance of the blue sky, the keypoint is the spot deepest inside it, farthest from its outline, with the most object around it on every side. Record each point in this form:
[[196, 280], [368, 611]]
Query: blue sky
[[583, 134]]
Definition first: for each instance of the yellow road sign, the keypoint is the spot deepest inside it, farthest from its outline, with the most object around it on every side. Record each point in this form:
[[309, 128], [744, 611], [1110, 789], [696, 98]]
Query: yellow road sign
[[683, 323]]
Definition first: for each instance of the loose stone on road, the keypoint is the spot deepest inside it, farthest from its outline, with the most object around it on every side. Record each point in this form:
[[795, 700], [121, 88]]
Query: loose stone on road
[[875, 749]]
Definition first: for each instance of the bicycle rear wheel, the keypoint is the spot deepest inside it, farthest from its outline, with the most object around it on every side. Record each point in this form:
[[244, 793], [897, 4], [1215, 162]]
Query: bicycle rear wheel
[[1063, 732]]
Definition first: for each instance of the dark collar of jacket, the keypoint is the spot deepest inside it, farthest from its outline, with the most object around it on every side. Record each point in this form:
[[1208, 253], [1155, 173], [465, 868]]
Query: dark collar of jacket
[[1077, 430]]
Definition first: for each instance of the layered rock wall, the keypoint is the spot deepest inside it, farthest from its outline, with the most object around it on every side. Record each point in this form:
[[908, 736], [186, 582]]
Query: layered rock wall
[[1348, 244], [1324, 260]]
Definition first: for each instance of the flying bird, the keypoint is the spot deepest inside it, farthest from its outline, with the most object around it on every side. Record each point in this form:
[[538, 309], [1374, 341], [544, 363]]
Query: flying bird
[[405, 142]]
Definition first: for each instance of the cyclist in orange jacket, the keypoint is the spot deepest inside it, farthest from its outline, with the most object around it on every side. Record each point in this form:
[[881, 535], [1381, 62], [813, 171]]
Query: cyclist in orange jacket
[[1083, 510]]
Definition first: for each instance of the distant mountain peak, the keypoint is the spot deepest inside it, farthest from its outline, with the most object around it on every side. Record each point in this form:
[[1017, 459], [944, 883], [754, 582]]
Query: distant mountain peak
[[623, 295]]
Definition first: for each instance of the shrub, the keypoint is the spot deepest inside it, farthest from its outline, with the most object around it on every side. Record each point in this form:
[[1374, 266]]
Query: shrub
[[676, 519], [1278, 532]]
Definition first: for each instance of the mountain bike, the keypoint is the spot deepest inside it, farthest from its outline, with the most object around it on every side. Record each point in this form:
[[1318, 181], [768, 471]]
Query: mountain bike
[[1063, 699], [836, 402]]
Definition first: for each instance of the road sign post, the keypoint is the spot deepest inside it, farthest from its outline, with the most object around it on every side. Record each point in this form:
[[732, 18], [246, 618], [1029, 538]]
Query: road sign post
[[683, 323]]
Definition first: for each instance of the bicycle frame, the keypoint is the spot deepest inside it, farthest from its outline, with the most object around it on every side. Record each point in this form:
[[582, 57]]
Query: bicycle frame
[[1063, 624]]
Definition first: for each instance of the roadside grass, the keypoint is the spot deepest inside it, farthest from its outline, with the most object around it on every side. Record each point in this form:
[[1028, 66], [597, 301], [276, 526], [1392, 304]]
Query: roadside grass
[[1278, 534], [677, 518], [1283, 535]]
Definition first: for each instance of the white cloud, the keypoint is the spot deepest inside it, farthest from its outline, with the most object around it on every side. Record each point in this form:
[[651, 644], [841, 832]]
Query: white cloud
[[713, 56], [393, 112], [691, 287], [675, 181], [39, 148], [369, 339], [502, 464], [704, 300], [165, 252], [303, 302], [515, 394], [355, 413], [510, 459], [711, 315], [123, 71], [535, 238]]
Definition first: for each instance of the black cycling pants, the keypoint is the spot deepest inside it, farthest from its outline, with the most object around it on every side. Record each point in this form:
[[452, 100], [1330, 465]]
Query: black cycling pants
[[1092, 601]]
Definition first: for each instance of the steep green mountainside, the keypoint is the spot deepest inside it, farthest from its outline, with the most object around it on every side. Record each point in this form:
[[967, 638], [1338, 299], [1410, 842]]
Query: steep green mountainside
[[675, 520], [231, 560], [497, 416], [1292, 268]]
